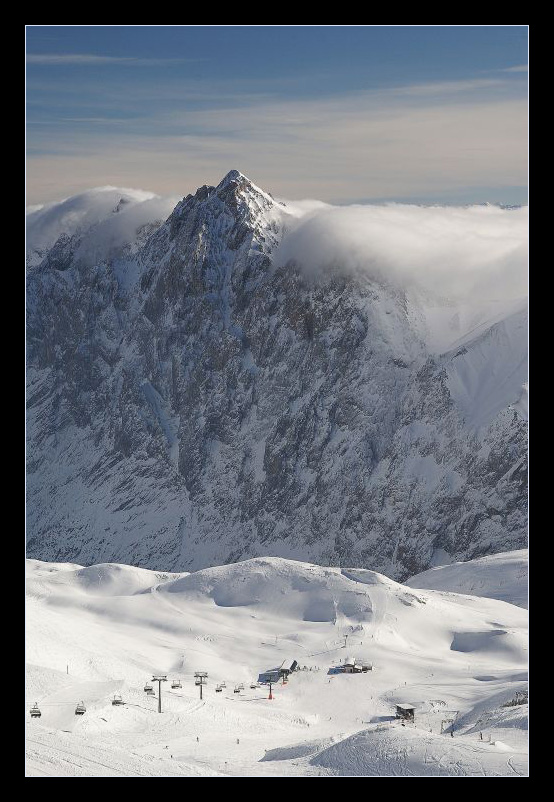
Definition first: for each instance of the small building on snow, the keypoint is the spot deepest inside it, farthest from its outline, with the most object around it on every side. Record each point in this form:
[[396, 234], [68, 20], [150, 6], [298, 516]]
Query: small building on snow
[[287, 667], [353, 666]]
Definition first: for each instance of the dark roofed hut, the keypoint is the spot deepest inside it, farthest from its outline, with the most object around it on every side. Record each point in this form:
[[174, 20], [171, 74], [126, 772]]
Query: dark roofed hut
[[287, 667], [405, 712]]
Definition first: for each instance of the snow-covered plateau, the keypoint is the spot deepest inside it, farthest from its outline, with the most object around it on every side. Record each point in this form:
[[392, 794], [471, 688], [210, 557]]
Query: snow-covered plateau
[[100, 632], [233, 376]]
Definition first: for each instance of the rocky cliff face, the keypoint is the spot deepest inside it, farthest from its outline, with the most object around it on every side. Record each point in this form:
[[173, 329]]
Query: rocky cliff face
[[192, 403]]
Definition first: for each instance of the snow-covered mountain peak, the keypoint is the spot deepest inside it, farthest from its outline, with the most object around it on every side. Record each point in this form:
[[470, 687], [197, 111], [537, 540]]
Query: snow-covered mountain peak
[[247, 200], [233, 177], [220, 229], [241, 184], [195, 400]]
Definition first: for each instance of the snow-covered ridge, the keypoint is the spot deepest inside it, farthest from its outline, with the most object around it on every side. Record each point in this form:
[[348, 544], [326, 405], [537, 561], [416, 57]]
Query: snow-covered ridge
[[502, 576]]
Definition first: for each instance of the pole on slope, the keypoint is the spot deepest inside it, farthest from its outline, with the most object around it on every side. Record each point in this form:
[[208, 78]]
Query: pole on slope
[[272, 682], [159, 679], [200, 677]]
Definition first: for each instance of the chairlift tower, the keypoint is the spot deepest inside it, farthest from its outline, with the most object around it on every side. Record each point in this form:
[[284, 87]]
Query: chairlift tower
[[159, 678], [272, 679], [200, 678]]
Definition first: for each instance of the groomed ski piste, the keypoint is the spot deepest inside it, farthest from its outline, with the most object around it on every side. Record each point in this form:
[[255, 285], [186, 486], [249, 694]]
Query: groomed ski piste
[[105, 630]]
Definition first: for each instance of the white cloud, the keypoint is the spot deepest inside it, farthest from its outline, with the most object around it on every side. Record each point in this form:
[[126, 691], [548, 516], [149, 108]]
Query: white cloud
[[92, 214], [476, 252], [300, 208], [459, 266], [460, 252]]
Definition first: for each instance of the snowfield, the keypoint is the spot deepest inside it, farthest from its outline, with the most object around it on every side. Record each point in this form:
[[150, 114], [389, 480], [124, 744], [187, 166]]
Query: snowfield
[[105, 629], [501, 576]]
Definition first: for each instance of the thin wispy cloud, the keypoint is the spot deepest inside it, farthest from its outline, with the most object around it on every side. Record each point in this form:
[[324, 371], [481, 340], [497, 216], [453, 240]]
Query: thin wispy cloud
[[95, 60], [100, 120], [519, 68], [324, 129], [445, 87], [337, 150]]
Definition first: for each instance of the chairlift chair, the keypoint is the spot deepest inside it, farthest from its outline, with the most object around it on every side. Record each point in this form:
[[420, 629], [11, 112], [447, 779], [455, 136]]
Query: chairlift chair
[[218, 689], [148, 688], [80, 710], [35, 711], [253, 686], [237, 690], [117, 700], [176, 683]]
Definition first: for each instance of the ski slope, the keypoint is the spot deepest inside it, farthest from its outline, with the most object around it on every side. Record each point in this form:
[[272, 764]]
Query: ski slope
[[102, 630], [502, 576]]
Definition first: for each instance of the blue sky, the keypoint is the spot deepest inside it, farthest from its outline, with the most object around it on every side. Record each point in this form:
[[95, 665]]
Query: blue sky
[[342, 114]]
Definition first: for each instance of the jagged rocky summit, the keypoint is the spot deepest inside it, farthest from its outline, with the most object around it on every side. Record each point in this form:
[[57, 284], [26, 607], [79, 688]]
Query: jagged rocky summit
[[193, 402]]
